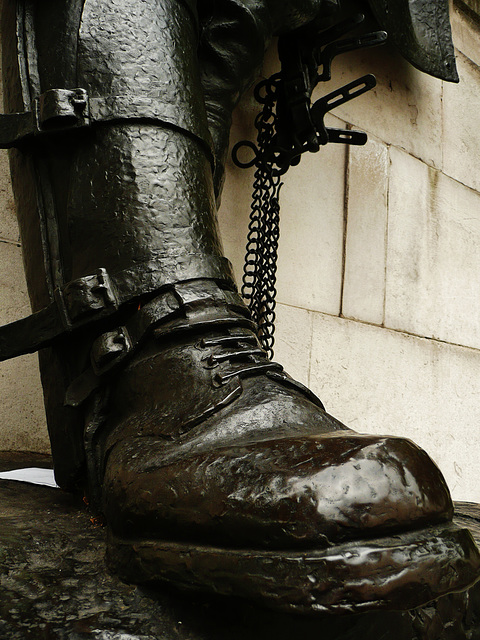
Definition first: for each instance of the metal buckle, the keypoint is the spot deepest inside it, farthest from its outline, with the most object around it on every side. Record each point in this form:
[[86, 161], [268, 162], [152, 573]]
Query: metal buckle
[[59, 109], [110, 349], [82, 298]]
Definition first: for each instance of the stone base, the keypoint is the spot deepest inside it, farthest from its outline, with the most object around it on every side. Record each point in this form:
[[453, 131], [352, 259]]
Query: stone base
[[54, 585]]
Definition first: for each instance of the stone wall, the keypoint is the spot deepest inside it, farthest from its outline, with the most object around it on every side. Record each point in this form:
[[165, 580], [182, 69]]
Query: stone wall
[[379, 267], [378, 275], [22, 420]]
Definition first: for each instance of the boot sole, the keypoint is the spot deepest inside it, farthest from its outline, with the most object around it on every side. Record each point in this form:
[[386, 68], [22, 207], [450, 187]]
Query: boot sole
[[395, 573]]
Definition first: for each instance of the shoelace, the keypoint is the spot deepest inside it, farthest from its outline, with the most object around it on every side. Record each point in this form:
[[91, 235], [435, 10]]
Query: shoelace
[[246, 358]]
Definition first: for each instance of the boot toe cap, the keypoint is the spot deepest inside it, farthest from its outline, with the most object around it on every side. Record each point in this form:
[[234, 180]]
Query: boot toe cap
[[289, 493]]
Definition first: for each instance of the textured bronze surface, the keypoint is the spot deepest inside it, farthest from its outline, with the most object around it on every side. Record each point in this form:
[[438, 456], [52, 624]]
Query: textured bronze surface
[[213, 468], [55, 585], [421, 31]]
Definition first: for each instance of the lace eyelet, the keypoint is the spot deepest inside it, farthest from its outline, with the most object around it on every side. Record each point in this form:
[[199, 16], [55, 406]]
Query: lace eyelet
[[210, 362], [217, 381]]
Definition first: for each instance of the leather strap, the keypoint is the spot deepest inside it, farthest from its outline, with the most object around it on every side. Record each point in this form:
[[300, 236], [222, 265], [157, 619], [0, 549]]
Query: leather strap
[[182, 307], [92, 298], [177, 302], [60, 110]]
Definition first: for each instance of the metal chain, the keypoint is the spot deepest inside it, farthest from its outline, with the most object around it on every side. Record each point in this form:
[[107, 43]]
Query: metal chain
[[288, 126], [260, 269]]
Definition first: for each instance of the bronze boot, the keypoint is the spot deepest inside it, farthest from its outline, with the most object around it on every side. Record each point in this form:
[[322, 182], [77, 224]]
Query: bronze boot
[[213, 468]]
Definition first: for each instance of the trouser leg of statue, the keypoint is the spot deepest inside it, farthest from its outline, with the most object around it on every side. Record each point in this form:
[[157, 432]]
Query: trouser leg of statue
[[213, 468]]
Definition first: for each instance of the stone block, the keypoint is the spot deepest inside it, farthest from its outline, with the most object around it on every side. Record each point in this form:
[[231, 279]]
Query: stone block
[[234, 212], [433, 262], [404, 109], [386, 382], [461, 133], [293, 341], [310, 261], [15, 302], [365, 249], [22, 423], [311, 221], [465, 33], [8, 217]]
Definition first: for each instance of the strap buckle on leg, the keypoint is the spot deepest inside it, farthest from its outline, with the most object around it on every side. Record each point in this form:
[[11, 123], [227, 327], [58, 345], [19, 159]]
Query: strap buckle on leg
[[78, 303], [59, 109], [81, 299], [55, 110]]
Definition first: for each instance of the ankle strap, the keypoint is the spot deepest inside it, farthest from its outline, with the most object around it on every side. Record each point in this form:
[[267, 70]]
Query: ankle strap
[[91, 299], [181, 308]]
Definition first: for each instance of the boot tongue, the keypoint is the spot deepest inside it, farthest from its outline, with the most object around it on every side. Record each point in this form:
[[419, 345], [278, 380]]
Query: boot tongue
[[421, 30]]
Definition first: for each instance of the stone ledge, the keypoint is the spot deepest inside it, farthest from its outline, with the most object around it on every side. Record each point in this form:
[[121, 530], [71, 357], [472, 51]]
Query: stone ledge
[[55, 585]]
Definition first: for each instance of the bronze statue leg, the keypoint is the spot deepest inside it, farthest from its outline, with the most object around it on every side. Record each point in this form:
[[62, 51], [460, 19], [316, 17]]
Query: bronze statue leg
[[213, 468]]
